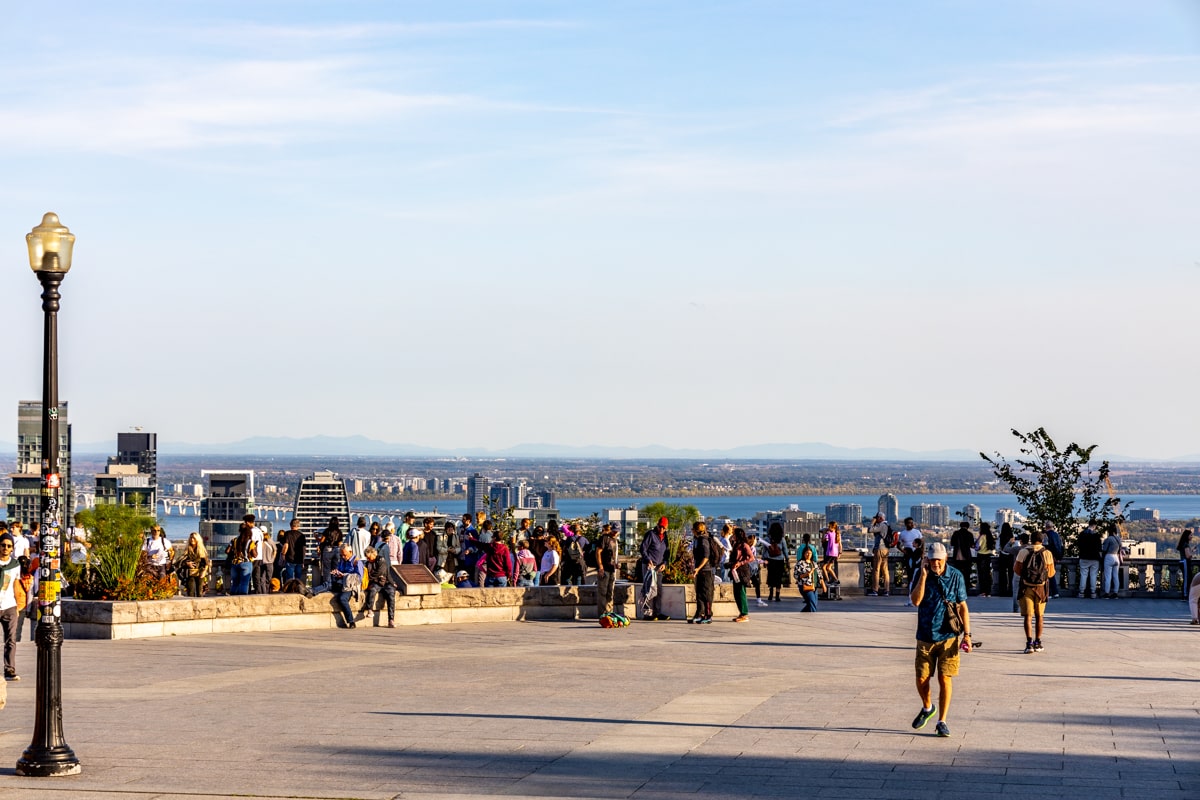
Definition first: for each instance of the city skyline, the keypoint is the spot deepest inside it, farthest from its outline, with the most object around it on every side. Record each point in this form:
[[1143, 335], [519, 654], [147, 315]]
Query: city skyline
[[694, 226]]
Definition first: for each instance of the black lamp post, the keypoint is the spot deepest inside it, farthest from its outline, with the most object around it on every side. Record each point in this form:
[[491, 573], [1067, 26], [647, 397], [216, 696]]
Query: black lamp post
[[50, 246]]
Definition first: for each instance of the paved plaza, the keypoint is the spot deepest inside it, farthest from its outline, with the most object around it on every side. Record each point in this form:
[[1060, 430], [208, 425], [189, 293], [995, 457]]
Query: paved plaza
[[789, 705]]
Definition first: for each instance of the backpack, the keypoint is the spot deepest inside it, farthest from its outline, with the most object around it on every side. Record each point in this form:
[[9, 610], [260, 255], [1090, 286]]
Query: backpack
[[892, 539], [774, 551], [613, 620], [590, 558], [1036, 572], [575, 549]]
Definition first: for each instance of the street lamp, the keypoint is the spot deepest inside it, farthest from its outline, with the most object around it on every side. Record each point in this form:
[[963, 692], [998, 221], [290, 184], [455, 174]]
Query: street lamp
[[50, 246]]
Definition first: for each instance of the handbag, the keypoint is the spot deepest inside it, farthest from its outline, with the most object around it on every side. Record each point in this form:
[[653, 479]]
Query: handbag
[[950, 619]]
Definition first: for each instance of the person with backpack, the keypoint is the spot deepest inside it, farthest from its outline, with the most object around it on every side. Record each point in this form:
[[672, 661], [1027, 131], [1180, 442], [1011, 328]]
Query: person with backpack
[[606, 570], [1035, 567], [884, 541], [777, 560], [705, 553]]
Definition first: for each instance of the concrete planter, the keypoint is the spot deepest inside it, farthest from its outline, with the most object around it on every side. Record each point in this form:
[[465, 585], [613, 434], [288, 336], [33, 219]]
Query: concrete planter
[[100, 619]]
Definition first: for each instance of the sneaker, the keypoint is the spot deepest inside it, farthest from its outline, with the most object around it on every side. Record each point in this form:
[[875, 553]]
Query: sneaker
[[742, 618], [762, 603], [884, 594], [11, 676], [647, 617], [352, 624], [705, 621], [391, 624], [693, 620], [662, 617], [908, 604], [872, 594], [1029, 647], [923, 716], [942, 729], [1037, 646]]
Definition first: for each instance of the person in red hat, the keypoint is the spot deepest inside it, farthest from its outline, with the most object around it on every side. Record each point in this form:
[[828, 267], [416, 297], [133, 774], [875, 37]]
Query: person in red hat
[[652, 563]]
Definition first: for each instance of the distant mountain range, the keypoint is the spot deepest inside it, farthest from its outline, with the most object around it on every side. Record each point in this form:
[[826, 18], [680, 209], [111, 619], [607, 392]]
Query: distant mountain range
[[363, 446]]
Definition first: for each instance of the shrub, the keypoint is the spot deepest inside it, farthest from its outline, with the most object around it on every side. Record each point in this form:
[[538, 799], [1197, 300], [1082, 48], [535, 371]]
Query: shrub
[[116, 568]]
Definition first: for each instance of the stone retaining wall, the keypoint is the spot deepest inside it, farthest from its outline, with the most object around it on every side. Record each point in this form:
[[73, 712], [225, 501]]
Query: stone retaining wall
[[181, 616]]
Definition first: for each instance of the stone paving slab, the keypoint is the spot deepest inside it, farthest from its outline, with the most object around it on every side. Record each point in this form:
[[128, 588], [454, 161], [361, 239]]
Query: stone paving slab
[[788, 705]]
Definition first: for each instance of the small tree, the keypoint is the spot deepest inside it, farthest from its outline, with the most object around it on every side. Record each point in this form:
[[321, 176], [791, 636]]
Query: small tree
[[116, 567], [680, 517], [1058, 487]]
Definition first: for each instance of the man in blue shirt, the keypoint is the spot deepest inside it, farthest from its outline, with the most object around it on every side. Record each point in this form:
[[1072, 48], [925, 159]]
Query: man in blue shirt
[[940, 593]]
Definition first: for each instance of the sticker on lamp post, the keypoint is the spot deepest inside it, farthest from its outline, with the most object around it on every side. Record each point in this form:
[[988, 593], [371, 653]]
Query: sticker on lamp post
[[53, 481]]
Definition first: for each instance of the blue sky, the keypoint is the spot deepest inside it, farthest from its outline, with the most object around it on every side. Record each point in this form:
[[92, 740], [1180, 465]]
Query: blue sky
[[692, 224]]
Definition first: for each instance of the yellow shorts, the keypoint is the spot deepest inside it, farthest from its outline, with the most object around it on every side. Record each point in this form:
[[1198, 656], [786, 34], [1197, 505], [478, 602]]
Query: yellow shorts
[[1028, 605], [940, 655]]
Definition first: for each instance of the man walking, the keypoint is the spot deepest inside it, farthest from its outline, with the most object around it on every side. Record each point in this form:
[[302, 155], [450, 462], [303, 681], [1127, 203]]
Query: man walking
[[1035, 568], [606, 571], [704, 555], [1089, 562], [881, 576], [940, 595], [10, 614], [652, 562]]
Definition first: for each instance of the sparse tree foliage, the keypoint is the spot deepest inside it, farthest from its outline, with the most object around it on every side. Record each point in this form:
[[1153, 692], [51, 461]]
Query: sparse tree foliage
[[1056, 486]]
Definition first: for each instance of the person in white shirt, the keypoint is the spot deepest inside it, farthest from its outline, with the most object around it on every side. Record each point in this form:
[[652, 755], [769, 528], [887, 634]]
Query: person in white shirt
[[20, 541], [258, 572], [10, 615], [158, 547]]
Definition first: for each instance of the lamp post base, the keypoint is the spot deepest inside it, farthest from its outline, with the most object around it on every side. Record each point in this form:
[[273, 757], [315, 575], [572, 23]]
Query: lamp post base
[[49, 763]]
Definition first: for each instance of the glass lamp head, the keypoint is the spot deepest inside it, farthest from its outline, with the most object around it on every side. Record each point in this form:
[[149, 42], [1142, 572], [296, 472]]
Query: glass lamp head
[[50, 238]]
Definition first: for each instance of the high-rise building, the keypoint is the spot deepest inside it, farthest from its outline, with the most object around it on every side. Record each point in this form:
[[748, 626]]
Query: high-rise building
[[139, 449], [478, 493], [1143, 515], [321, 497], [930, 515], [25, 498], [972, 513], [889, 506], [844, 513], [230, 497], [131, 477], [1004, 515], [509, 495]]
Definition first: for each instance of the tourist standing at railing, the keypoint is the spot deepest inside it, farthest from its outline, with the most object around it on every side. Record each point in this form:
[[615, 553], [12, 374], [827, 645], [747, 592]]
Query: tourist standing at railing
[[652, 562], [881, 578], [1005, 558], [195, 565], [606, 570], [157, 548], [741, 558], [1054, 544], [1194, 599], [704, 556], [1089, 562], [551, 563], [498, 561], [756, 569], [910, 545], [1113, 552], [961, 543], [329, 542], [1186, 554], [831, 542], [242, 559], [985, 548], [451, 547], [525, 573], [433, 547], [292, 548], [777, 560]]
